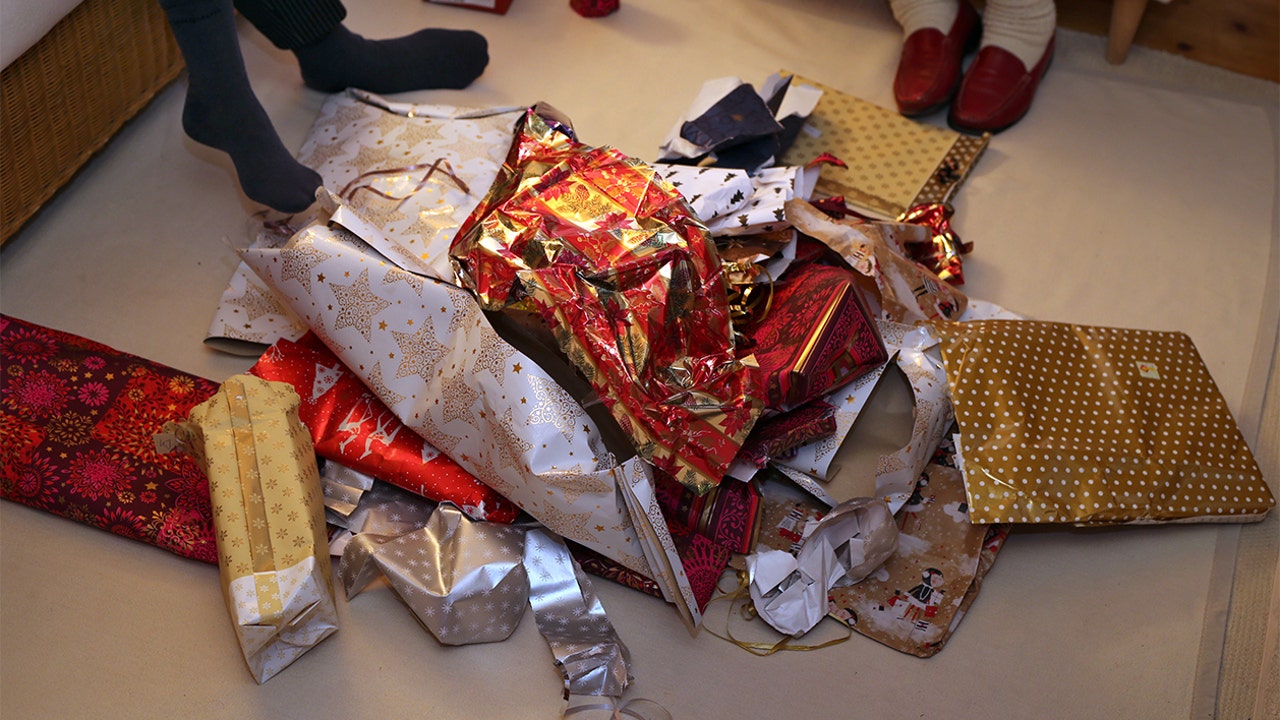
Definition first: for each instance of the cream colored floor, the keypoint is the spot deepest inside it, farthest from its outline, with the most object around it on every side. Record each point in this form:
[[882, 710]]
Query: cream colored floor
[[1143, 196]]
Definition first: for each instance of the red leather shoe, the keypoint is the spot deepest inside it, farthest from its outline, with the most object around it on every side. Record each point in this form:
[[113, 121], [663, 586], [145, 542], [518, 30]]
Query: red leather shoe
[[929, 69], [996, 91]]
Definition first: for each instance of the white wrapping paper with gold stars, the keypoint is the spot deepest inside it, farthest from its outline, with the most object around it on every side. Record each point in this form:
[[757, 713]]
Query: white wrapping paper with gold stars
[[427, 351], [404, 176], [1094, 425]]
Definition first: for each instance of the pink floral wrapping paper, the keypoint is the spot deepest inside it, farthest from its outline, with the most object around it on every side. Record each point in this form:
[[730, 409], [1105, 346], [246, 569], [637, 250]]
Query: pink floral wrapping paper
[[425, 349]]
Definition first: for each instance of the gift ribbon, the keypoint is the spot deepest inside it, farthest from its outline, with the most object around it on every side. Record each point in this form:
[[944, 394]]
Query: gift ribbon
[[256, 521], [351, 188], [748, 612], [639, 708]]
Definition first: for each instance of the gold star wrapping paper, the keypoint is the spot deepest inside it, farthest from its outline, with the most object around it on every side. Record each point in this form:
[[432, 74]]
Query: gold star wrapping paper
[[403, 176], [269, 517], [426, 350]]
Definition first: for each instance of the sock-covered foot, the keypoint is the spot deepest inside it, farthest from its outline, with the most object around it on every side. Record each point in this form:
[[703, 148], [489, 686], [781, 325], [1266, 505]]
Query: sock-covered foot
[[222, 112], [240, 127], [427, 59]]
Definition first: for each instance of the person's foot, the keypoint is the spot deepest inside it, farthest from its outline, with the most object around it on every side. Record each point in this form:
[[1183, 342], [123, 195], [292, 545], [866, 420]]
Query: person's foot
[[427, 59], [929, 69], [238, 126], [997, 90]]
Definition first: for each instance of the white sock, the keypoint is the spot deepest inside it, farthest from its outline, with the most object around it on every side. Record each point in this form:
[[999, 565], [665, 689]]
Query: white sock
[[915, 15], [1023, 27]]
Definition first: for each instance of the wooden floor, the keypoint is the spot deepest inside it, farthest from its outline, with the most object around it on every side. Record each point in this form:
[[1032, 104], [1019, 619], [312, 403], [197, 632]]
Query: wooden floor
[[1242, 36]]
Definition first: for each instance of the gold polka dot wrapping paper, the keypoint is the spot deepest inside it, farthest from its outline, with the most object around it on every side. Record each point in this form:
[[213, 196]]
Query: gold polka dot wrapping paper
[[1064, 423]]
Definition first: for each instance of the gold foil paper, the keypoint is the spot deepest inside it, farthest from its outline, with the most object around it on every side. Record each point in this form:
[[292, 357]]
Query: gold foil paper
[[1094, 425], [269, 516]]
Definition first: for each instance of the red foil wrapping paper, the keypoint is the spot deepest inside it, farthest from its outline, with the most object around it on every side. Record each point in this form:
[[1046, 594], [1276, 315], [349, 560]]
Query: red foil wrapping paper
[[77, 420], [616, 263], [941, 252], [351, 426], [729, 515]]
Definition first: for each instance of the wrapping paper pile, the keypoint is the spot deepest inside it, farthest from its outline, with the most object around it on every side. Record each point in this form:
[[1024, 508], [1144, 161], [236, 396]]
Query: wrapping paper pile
[[522, 358]]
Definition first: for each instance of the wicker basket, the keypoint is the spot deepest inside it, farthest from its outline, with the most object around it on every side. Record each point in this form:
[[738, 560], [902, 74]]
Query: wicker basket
[[66, 96]]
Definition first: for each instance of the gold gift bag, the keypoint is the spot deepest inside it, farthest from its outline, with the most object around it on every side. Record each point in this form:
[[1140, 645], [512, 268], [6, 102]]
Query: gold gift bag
[[893, 162], [269, 516], [1093, 425]]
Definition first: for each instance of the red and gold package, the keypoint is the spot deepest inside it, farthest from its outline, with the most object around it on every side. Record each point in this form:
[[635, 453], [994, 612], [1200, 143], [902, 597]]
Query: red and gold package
[[626, 276], [816, 335], [352, 427]]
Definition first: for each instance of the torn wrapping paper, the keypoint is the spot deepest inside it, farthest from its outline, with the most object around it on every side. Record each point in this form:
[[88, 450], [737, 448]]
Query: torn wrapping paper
[[732, 202], [425, 349], [617, 265], [779, 436], [403, 176], [463, 580], [468, 582], [891, 163], [383, 509], [728, 515], [272, 552], [350, 425], [76, 424], [908, 292], [1094, 425], [731, 125], [916, 600], [790, 591]]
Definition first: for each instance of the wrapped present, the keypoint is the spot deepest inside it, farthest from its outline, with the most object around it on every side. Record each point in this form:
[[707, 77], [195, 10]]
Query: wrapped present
[[351, 426], [428, 352], [1063, 423], [272, 550], [816, 335], [494, 6], [76, 424], [626, 276]]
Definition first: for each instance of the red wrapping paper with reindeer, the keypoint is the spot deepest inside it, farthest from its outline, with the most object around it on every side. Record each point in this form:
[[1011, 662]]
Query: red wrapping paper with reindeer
[[351, 426], [627, 278]]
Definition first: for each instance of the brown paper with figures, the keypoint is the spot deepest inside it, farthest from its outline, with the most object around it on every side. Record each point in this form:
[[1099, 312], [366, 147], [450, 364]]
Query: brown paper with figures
[[269, 516], [1090, 425], [916, 600]]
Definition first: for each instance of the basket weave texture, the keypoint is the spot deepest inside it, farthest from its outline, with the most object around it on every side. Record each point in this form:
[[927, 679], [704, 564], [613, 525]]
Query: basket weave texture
[[65, 97]]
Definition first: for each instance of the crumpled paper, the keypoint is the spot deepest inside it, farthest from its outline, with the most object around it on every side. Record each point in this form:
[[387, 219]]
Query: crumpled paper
[[731, 125], [468, 582], [614, 261], [849, 543], [909, 292], [425, 349]]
